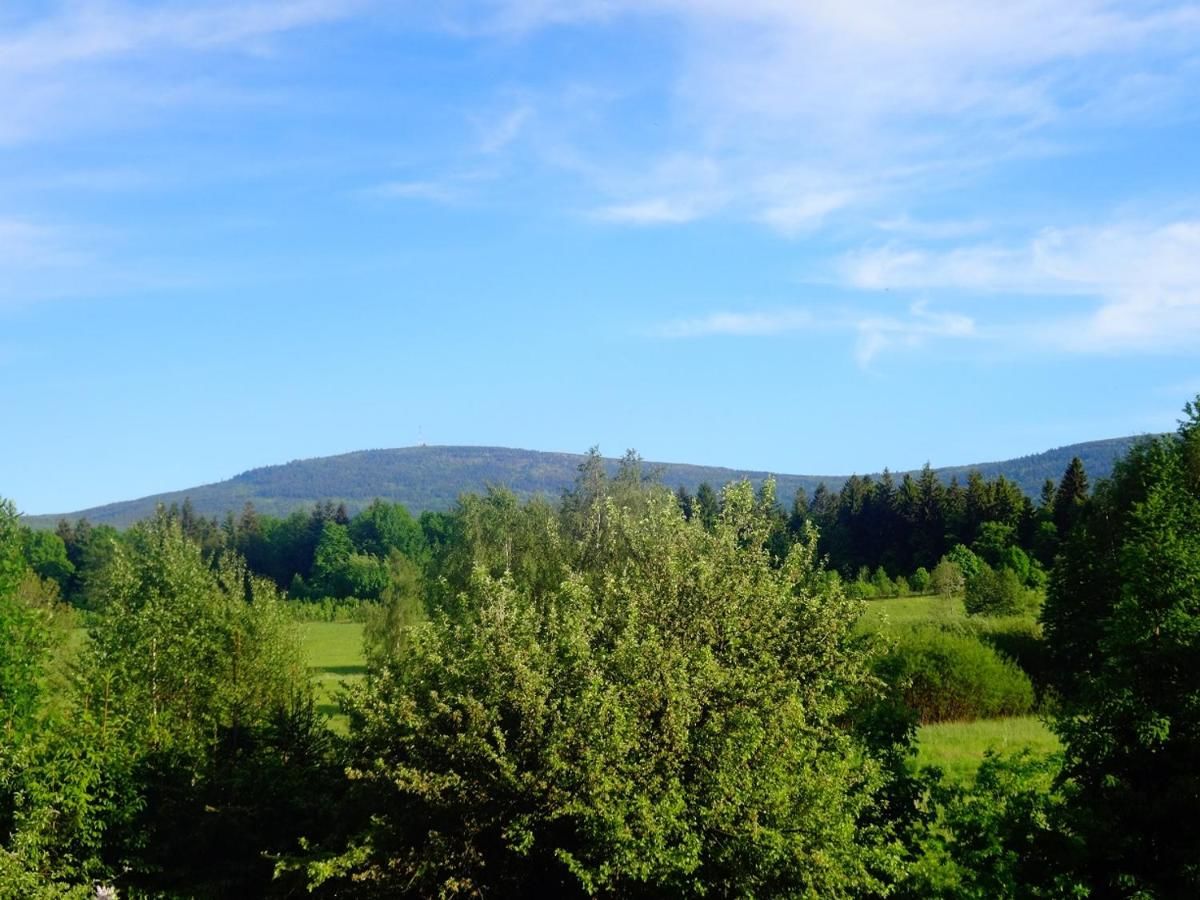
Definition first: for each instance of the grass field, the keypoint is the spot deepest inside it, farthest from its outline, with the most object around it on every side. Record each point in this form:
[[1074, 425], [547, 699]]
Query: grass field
[[335, 653], [958, 747], [910, 610]]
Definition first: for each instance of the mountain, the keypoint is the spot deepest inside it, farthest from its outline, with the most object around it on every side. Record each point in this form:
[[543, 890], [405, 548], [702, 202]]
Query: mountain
[[431, 478]]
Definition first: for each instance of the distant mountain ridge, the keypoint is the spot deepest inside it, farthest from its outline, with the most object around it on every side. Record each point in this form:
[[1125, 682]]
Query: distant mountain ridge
[[432, 477]]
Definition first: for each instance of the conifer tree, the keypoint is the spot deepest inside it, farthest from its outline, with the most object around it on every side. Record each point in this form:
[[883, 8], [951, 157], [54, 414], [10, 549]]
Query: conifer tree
[[1071, 494]]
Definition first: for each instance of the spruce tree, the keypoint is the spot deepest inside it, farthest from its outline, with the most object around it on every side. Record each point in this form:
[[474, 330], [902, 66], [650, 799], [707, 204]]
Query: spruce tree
[[1071, 494]]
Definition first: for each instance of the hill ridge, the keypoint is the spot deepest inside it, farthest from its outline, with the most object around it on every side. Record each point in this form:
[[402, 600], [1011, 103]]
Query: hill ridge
[[430, 477]]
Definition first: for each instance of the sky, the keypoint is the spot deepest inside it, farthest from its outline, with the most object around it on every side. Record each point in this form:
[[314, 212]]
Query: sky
[[805, 237]]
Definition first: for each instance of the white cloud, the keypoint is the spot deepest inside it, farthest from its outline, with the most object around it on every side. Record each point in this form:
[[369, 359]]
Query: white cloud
[[932, 230], [434, 191], [881, 101], [657, 211], [804, 213], [87, 32], [1143, 281], [70, 69], [743, 324], [877, 333], [498, 134], [40, 261], [873, 333], [25, 244]]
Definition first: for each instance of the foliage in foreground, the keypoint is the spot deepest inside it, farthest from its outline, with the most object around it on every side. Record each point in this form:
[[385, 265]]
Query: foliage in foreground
[[1122, 621], [664, 722], [188, 734]]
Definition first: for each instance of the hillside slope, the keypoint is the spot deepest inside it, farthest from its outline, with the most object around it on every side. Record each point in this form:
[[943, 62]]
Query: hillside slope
[[432, 478]]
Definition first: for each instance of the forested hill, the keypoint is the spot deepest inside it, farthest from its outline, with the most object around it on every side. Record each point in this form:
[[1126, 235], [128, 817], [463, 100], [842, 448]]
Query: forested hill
[[431, 478]]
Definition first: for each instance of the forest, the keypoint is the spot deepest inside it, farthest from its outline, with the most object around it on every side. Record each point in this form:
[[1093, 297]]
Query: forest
[[633, 691]]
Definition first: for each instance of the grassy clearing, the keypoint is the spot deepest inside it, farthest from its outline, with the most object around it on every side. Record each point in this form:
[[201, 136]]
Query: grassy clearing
[[913, 610], [958, 747], [335, 653]]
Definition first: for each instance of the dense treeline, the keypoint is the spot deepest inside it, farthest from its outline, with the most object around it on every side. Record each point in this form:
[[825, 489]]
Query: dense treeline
[[632, 692], [884, 538], [431, 478]]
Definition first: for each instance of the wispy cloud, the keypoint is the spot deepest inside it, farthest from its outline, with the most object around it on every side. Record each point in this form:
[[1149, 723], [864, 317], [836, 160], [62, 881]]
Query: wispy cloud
[[88, 49], [738, 324], [25, 244], [892, 100], [497, 134], [905, 226], [878, 333], [873, 333], [658, 211], [1143, 281], [434, 191], [801, 214], [43, 261], [89, 31]]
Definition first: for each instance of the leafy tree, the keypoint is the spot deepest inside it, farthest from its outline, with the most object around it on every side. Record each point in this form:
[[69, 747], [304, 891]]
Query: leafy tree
[[401, 608], [966, 560], [331, 559], [1123, 622], [25, 638], [996, 592], [665, 721], [46, 555], [947, 578], [383, 527], [944, 676], [995, 538], [191, 682], [883, 585], [920, 580], [998, 836]]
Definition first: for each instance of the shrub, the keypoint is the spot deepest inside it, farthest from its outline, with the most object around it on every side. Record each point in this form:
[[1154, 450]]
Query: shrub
[[882, 584], [997, 592], [943, 675], [332, 609], [1020, 639], [998, 836]]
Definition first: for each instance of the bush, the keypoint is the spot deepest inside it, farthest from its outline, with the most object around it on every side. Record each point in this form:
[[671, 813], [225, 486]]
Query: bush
[[332, 609], [997, 592], [999, 836], [943, 675], [1020, 639]]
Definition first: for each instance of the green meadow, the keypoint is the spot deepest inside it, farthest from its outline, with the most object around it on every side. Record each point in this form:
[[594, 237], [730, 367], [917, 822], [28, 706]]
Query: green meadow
[[335, 656]]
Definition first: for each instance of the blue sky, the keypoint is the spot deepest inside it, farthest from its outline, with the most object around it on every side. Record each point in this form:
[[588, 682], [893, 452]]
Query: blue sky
[[805, 237]]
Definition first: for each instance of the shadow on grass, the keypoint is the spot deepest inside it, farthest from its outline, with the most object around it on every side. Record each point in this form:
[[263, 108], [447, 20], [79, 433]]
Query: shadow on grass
[[341, 670]]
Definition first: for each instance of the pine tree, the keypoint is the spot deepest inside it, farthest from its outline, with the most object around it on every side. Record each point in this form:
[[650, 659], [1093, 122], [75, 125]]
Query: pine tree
[[1072, 493]]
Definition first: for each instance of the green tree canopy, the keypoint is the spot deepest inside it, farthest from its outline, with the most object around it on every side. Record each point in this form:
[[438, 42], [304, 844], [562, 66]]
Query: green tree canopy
[[1122, 621], [670, 720]]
